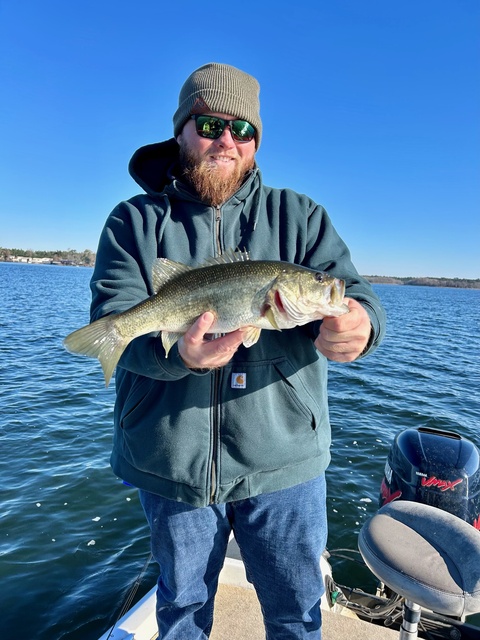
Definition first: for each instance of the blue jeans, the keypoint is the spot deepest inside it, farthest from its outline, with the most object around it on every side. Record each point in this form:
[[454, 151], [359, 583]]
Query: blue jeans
[[281, 536]]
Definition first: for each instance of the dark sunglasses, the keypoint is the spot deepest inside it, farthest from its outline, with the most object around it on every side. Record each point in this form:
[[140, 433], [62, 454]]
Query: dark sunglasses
[[212, 127]]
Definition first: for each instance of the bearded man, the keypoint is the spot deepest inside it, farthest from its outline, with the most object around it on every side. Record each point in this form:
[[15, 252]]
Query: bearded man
[[210, 456]]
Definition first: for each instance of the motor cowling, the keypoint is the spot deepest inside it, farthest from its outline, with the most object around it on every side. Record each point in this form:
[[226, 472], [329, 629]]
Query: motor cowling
[[434, 467]]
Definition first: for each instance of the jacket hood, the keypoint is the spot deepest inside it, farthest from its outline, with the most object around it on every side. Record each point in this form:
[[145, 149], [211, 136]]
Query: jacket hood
[[151, 165]]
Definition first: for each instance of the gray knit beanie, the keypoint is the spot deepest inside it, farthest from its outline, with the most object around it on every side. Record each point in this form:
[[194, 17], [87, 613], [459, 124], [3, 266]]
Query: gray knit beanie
[[220, 88]]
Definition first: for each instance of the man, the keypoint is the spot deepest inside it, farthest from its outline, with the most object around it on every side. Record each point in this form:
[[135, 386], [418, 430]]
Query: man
[[208, 453]]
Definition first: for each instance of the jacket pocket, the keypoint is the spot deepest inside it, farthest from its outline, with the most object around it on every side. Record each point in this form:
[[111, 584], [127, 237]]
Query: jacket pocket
[[164, 430], [135, 399], [271, 423], [298, 391]]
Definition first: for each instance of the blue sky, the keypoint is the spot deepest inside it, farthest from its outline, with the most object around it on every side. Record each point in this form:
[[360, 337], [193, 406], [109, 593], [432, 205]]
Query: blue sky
[[371, 107]]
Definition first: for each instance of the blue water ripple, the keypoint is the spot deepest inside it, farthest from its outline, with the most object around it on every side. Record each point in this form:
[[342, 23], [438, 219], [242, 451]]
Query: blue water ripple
[[74, 536]]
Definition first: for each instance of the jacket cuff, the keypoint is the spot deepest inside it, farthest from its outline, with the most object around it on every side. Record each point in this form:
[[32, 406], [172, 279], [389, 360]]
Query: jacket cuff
[[174, 366]]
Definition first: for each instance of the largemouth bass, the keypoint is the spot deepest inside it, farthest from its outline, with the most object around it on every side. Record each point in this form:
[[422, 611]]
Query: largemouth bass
[[241, 293]]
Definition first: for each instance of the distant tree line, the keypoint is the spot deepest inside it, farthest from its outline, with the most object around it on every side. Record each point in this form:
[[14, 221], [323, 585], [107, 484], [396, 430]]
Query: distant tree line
[[458, 283], [84, 258]]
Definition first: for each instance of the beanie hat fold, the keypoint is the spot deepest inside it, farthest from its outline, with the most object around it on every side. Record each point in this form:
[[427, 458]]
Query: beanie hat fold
[[220, 88]]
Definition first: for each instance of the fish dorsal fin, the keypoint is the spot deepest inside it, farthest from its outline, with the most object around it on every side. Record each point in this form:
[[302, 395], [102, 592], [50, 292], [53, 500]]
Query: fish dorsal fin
[[165, 270], [227, 257]]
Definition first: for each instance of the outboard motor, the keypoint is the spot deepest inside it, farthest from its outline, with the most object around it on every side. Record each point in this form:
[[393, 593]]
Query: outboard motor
[[434, 467]]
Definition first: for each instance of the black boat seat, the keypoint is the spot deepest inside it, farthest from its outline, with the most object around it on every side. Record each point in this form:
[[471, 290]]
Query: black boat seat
[[425, 554]]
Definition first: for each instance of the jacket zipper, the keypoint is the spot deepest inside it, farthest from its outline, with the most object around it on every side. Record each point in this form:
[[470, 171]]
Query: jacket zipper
[[215, 435], [218, 219], [216, 389]]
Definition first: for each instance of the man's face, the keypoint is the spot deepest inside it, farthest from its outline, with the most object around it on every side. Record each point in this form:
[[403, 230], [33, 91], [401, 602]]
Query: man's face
[[216, 168]]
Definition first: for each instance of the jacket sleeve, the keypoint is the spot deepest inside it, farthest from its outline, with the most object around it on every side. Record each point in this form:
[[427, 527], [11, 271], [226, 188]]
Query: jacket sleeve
[[326, 251], [122, 279]]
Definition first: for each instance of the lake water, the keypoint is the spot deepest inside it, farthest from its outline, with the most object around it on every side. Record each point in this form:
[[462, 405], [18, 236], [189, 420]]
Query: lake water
[[73, 538]]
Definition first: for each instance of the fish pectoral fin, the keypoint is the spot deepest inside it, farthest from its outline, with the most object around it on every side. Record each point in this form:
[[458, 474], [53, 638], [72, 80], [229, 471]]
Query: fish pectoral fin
[[169, 338], [251, 335], [270, 316], [164, 270]]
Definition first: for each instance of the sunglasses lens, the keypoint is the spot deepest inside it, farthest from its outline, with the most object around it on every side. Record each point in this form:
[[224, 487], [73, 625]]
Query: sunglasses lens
[[213, 127], [242, 130], [209, 126]]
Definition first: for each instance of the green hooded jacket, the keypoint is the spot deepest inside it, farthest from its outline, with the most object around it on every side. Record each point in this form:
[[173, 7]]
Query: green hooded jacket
[[258, 424]]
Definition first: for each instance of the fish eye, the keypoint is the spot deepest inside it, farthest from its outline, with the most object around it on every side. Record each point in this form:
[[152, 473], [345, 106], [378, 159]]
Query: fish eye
[[320, 276]]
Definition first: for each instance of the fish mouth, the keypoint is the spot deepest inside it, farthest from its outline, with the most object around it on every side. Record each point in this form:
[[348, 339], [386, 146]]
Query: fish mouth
[[337, 291]]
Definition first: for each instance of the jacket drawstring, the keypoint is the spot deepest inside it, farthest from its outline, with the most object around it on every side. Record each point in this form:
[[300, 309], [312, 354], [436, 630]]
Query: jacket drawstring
[[256, 207], [166, 217]]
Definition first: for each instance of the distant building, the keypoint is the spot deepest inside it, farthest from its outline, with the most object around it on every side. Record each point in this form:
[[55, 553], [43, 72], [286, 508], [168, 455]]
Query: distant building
[[28, 259]]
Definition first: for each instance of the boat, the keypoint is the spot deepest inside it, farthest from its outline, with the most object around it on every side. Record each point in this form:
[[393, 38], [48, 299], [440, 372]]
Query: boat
[[422, 546]]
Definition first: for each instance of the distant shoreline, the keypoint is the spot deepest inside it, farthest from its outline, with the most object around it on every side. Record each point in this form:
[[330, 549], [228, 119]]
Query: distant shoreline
[[70, 257], [453, 283]]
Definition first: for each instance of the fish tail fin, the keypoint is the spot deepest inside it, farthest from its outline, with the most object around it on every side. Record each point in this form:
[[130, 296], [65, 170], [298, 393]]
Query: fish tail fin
[[101, 340]]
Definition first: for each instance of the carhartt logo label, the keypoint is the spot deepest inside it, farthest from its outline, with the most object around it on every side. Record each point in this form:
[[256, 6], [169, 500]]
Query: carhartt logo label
[[239, 380], [199, 106]]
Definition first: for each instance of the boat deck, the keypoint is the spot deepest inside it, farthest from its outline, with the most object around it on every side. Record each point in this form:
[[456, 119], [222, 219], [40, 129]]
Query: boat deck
[[238, 617]]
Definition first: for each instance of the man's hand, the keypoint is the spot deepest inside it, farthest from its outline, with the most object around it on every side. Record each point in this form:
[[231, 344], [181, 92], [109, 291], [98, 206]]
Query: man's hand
[[199, 352], [344, 338]]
